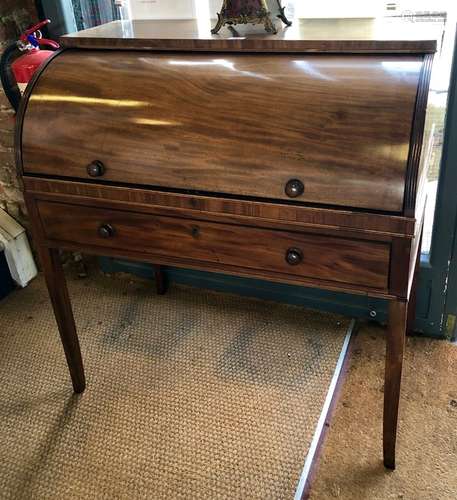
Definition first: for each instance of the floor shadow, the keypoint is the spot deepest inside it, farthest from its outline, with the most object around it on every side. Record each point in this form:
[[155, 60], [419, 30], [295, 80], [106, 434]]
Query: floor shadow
[[46, 448]]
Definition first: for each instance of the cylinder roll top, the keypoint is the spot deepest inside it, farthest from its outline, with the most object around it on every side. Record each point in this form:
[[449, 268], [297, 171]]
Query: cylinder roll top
[[241, 124]]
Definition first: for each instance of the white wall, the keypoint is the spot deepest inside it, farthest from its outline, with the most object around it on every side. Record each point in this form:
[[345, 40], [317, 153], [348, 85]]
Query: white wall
[[186, 9], [335, 8], [162, 9]]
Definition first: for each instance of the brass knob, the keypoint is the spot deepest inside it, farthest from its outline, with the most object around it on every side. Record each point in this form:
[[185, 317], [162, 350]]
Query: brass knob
[[294, 256], [106, 231], [294, 188], [96, 168]]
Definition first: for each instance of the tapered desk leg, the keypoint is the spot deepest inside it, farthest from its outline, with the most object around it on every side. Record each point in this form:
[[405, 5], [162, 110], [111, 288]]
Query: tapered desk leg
[[411, 314], [411, 319], [395, 347], [57, 287], [160, 280]]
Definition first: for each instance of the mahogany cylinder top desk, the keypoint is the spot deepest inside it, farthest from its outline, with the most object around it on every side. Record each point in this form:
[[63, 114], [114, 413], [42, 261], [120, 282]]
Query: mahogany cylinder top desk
[[292, 157]]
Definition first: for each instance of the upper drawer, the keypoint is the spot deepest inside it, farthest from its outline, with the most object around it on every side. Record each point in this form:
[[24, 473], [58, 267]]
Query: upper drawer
[[242, 124]]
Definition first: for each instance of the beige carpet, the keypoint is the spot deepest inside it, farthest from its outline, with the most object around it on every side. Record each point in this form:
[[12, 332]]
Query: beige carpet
[[193, 395], [351, 466]]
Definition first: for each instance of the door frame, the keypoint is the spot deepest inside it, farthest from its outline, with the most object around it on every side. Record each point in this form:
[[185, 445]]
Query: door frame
[[437, 289]]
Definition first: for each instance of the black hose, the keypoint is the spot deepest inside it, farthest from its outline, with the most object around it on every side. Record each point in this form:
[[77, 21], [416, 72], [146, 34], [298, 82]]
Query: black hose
[[8, 81]]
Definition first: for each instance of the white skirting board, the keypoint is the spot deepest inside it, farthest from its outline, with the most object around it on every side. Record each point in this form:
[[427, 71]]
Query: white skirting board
[[13, 239]]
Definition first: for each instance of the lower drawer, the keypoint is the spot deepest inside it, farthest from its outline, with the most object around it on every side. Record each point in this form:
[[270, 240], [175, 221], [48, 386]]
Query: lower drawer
[[297, 254]]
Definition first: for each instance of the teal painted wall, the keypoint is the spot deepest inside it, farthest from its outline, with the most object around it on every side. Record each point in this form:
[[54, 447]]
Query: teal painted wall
[[341, 303]]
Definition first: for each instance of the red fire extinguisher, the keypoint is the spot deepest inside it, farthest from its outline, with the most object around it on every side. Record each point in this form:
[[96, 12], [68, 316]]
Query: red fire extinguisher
[[15, 71]]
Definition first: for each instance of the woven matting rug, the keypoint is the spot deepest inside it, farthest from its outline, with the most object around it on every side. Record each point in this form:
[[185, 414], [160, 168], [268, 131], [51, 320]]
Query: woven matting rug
[[192, 395]]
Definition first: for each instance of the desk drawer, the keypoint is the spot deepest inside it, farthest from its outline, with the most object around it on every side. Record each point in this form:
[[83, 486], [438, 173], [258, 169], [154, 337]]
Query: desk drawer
[[224, 246]]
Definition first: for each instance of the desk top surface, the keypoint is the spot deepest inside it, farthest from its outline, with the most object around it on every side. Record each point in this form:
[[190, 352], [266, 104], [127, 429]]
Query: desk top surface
[[305, 35]]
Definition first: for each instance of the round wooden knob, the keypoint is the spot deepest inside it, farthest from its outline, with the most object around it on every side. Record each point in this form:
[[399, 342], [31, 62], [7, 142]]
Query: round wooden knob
[[294, 256], [106, 231], [96, 168], [294, 188]]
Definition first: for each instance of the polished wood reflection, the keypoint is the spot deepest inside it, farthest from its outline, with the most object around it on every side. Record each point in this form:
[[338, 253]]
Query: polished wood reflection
[[242, 124], [305, 35]]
